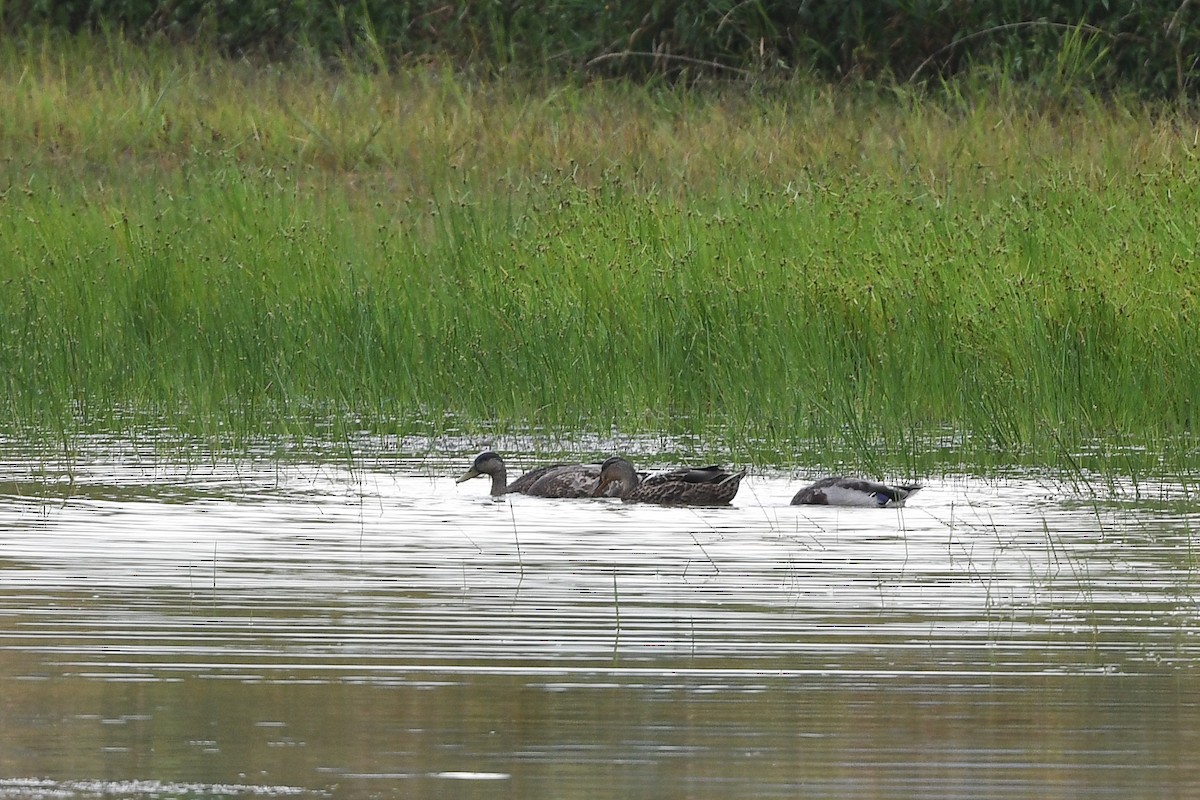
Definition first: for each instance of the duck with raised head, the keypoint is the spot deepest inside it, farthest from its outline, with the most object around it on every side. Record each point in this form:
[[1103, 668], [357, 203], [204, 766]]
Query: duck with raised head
[[554, 480], [686, 486], [839, 490]]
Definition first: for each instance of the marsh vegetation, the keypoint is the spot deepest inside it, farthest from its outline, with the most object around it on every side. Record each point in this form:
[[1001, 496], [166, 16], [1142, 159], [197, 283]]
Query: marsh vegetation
[[985, 272]]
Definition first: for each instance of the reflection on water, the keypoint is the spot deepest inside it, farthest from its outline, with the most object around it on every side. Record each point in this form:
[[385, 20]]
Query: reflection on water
[[279, 629]]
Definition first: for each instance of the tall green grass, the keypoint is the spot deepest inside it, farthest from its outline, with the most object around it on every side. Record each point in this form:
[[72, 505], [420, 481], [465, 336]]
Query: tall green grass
[[249, 250]]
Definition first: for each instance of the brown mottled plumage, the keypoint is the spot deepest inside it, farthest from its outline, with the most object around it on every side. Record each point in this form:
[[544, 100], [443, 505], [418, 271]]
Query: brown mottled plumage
[[555, 480], [686, 486]]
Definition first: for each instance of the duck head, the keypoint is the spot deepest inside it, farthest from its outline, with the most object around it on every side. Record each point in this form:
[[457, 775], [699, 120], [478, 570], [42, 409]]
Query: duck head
[[487, 463], [616, 470]]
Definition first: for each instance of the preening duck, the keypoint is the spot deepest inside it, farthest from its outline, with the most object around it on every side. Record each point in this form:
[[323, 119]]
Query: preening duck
[[842, 491], [555, 480], [686, 486]]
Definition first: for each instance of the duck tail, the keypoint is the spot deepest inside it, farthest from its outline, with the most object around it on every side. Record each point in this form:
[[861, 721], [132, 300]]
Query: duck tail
[[735, 477]]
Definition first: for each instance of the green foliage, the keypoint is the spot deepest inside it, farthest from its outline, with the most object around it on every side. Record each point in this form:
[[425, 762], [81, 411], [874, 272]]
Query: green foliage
[[207, 243], [1152, 47]]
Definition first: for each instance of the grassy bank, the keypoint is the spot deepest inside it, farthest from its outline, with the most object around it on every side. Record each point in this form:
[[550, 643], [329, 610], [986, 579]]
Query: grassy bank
[[268, 250]]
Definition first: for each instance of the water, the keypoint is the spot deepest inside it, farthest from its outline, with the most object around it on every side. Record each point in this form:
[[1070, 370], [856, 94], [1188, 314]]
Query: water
[[250, 629]]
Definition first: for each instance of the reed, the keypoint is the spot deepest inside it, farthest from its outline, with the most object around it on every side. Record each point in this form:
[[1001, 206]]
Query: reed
[[250, 251]]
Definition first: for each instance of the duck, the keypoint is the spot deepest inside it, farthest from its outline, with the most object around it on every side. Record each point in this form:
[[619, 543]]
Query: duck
[[554, 480], [686, 486], [840, 490]]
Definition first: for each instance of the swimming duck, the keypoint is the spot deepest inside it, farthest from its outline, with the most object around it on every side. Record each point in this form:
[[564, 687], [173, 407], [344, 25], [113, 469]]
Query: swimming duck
[[555, 480], [842, 491], [686, 486]]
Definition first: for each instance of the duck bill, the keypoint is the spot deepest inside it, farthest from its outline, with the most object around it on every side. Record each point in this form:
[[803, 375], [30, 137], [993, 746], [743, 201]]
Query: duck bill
[[466, 476], [599, 490]]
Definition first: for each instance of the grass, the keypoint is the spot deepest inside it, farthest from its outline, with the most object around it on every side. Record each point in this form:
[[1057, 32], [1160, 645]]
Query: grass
[[790, 271]]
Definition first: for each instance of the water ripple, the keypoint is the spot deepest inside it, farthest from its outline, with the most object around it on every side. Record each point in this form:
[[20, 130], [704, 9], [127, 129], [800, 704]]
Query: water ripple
[[358, 627]]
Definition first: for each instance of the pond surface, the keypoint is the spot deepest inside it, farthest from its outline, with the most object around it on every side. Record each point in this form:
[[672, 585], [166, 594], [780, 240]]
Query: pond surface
[[249, 629]]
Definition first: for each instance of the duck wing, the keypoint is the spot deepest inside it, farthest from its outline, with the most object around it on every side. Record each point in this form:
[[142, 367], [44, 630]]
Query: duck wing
[[563, 480], [713, 473], [689, 487], [523, 484]]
